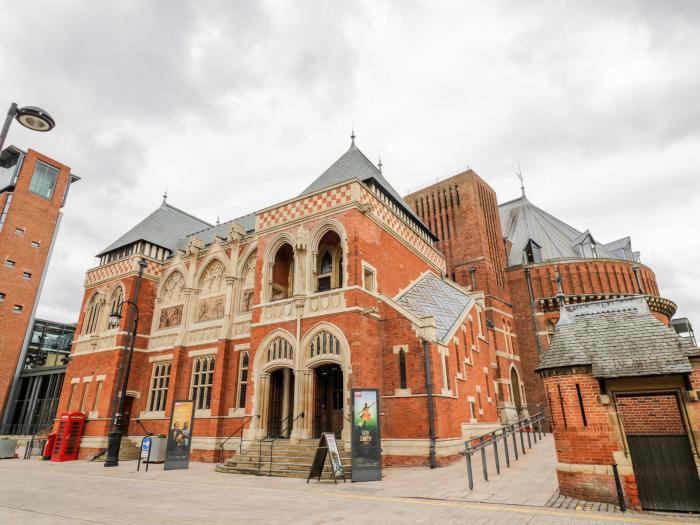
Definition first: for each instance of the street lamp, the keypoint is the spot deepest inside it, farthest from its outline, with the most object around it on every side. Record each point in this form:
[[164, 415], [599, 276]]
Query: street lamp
[[30, 117], [114, 439]]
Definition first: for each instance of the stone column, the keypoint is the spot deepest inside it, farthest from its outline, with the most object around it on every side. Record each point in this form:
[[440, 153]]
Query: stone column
[[262, 395], [303, 402]]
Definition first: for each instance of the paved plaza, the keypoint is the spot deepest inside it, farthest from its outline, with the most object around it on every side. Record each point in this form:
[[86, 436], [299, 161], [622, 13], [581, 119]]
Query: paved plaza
[[79, 492]]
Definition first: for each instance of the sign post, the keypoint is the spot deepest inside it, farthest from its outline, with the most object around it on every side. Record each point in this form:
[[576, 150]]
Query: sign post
[[327, 446], [145, 452], [177, 452], [366, 441]]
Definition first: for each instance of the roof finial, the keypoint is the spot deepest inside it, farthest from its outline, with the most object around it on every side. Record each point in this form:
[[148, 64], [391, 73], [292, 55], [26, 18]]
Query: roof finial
[[352, 136], [519, 174], [165, 194], [379, 165], [217, 219], [560, 291]]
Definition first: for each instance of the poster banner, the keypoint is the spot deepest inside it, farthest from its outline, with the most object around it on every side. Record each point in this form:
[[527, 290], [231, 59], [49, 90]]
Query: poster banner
[[177, 452], [366, 443], [336, 463]]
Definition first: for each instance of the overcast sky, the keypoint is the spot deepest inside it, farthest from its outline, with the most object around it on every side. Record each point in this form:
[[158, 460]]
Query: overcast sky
[[235, 106]]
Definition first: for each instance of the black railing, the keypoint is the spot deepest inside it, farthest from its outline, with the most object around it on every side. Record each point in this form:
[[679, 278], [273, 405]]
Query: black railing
[[238, 429], [271, 440], [530, 426], [35, 446], [138, 421]]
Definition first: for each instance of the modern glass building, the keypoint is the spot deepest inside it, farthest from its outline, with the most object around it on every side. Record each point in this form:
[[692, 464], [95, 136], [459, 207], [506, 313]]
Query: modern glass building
[[39, 383]]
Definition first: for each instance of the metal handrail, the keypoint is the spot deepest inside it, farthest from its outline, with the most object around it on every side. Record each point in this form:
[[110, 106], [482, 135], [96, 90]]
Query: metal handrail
[[530, 425], [30, 446], [272, 439], [246, 419], [144, 428]]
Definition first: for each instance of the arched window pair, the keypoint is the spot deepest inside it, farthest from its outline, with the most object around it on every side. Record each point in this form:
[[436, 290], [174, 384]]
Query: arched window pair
[[329, 263]]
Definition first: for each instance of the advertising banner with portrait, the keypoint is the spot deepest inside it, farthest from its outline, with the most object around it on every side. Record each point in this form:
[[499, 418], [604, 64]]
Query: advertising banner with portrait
[[177, 452], [366, 441]]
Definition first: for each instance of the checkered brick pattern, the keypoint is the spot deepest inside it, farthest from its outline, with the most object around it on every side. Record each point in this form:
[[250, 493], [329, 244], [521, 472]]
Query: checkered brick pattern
[[120, 268], [305, 207], [403, 230]]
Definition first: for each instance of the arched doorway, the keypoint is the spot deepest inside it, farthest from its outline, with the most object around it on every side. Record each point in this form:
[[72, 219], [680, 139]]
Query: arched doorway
[[328, 400], [282, 278], [281, 403]]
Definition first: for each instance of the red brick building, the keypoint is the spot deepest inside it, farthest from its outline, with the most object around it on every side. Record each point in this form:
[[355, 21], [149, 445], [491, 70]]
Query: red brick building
[[33, 189], [546, 255], [268, 321], [623, 389]]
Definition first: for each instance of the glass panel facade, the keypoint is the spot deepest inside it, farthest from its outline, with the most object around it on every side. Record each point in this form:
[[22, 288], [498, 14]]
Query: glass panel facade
[[49, 345], [43, 180]]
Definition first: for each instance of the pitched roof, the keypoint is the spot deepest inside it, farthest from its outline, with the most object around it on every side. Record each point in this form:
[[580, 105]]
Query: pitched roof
[[521, 221], [163, 228], [431, 295], [617, 338], [353, 164], [247, 222]]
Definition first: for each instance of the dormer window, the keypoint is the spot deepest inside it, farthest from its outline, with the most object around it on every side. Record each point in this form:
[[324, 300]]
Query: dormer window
[[587, 248], [533, 252]]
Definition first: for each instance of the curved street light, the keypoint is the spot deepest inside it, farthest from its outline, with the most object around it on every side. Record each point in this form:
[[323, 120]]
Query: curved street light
[[31, 117]]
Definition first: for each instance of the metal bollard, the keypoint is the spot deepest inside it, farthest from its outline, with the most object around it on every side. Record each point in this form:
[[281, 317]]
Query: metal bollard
[[505, 446], [515, 442], [522, 439], [469, 469], [529, 443], [494, 440], [483, 459]]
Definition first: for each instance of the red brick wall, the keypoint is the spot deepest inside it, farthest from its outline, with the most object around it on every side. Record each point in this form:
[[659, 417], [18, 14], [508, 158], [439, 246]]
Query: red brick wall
[[38, 218], [650, 414]]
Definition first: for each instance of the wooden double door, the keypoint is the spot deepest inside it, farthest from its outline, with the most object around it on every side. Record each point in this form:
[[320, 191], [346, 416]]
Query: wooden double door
[[328, 400]]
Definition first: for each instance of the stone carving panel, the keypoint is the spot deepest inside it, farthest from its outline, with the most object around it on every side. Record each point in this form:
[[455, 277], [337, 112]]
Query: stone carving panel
[[210, 308], [171, 316]]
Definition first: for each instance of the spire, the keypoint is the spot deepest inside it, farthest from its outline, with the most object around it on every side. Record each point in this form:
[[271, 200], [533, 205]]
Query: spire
[[519, 174], [352, 137], [379, 165], [165, 194], [217, 220]]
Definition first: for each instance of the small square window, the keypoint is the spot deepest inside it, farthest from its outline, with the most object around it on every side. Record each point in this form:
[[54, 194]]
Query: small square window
[[26, 275], [19, 231], [43, 180], [36, 244], [17, 308], [9, 263]]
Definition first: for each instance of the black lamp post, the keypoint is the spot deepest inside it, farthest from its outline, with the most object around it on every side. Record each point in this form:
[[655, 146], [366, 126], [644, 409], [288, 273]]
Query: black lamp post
[[30, 117], [114, 439]]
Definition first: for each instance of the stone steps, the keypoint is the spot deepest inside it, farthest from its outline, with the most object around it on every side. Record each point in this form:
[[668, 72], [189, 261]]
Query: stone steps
[[287, 460]]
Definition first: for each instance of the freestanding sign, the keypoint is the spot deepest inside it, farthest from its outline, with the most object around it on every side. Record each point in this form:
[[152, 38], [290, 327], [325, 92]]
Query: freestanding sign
[[177, 452], [366, 443], [145, 454], [327, 446]]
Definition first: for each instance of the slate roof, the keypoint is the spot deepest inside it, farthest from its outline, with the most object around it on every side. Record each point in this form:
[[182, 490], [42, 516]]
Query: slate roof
[[221, 230], [163, 228], [617, 338], [521, 221], [431, 295], [353, 164]]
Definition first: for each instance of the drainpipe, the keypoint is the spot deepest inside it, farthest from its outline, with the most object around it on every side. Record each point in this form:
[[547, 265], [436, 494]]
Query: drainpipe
[[635, 269], [431, 411]]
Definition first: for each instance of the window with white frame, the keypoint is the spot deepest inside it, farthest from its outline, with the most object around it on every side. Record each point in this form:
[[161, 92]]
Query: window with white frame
[[369, 280], [92, 314], [160, 379], [242, 380], [202, 381], [81, 407]]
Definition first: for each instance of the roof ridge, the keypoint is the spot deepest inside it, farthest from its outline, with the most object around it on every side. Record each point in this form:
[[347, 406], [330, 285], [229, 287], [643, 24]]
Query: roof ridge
[[174, 208]]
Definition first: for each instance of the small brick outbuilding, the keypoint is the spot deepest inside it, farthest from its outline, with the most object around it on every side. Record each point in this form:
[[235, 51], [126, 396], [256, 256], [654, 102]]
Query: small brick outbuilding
[[623, 390]]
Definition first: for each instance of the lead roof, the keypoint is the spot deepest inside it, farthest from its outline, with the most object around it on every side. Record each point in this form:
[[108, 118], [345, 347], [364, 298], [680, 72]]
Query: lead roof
[[432, 296], [521, 221]]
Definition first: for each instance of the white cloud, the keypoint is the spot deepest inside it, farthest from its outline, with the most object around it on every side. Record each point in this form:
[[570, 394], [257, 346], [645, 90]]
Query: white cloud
[[238, 105]]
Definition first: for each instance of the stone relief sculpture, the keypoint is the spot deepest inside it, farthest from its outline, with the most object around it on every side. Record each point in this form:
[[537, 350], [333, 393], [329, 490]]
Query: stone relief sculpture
[[210, 308], [170, 317]]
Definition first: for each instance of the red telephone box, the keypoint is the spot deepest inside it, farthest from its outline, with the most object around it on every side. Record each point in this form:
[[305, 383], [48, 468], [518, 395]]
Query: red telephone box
[[70, 430]]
